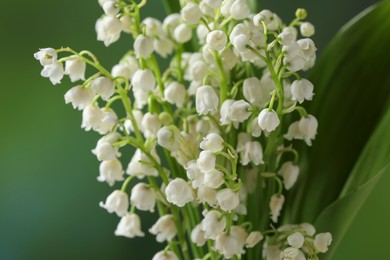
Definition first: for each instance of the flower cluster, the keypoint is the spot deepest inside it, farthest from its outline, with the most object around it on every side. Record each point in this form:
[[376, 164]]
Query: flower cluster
[[223, 116]]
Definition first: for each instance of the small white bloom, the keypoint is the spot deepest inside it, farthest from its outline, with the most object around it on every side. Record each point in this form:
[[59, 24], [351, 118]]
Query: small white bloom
[[201, 32], [110, 171], [302, 89], [308, 228], [153, 27], [194, 174], [104, 87], [54, 71], [213, 224], [268, 120], [92, 118], [216, 40], [143, 197], [168, 137], [75, 68], [252, 90], [182, 33], [322, 241], [117, 202], [46, 56], [206, 100], [163, 46], [191, 13], [127, 23], [256, 130], [296, 240], [270, 19], [108, 29], [197, 236], [171, 22], [175, 93], [253, 238], [242, 139], [104, 151], [213, 3], [109, 120], [140, 165], [207, 195], [253, 152], [179, 192], [122, 70], [240, 42], [164, 228], [294, 57], [227, 199], [289, 171], [206, 161], [206, 9], [290, 253], [151, 124], [229, 58], [238, 111], [232, 244], [212, 142], [276, 205], [143, 46], [213, 178], [138, 115], [129, 226], [110, 8], [308, 128], [307, 29], [197, 70], [225, 8], [288, 35], [165, 255], [143, 80], [79, 97], [293, 132], [239, 10]]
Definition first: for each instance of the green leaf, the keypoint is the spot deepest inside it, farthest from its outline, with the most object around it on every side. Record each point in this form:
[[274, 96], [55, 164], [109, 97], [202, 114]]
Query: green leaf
[[372, 164], [172, 6], [352, 82]]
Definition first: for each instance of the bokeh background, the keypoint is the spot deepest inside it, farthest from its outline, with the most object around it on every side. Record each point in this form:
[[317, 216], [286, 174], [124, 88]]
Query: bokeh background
[[48, 190]]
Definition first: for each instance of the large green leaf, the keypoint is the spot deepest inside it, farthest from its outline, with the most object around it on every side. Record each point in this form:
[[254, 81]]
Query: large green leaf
[[372, 164], [352, 83]]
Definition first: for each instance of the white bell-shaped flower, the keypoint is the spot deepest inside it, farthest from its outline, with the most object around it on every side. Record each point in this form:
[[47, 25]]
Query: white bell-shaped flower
[[108, 29], [92, 117], [171, 22], [252, 90], [153, 27], [270, 19], [197, 236], [216, 40], [191, 13], [240, 42], [288, 35], [213, 224], [143, 46], [46, 56], [206, 100], [175, 93], [104, 151], [109, 120], [212, 142], [79, 97], [308, 128], [268, 120], [225, 8], [307, 29], [206, 161], [231, 244], [164, 228], [302, 89], [276, 205], [239, 10], [322, 241], [129, 226], [151, 124], [169, 137], [227, 199], [54, 71], [143, 197], [104, 87], [197, 70], [179, 192], [117, 202], [213, 3], [308, 228], [207, 195], [238, 111], [294, 57], [289, 253], [165, 255], [253, 152], [140, 165], [206, 9], [127, 23], [289, 171], [182, 33], [75, 68], [110, 171], [143, 80], [213, 178], [122, 70], [253, 239], [256, 130], [225, 112], [194, 174], [296, 240], [163, 46]]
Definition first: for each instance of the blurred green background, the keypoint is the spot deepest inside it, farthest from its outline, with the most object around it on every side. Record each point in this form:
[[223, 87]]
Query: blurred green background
[[48, 190]]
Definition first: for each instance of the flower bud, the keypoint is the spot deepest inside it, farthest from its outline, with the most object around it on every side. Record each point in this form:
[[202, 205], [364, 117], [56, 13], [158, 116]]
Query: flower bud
[[225, 8], [79, 97], [301, 13], [290, 173], [253, 238], [206, 100], [182, 33], [143, 197], [110, 8], [175, 93], [191, 13], [268, 120], [164, 228], [239, 10], [110, 171], [143, 46], [104, 87], [216, 40], [227, 199], [143, 80], [213, 3], [117, 202], [129, 226], [307, 29]]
